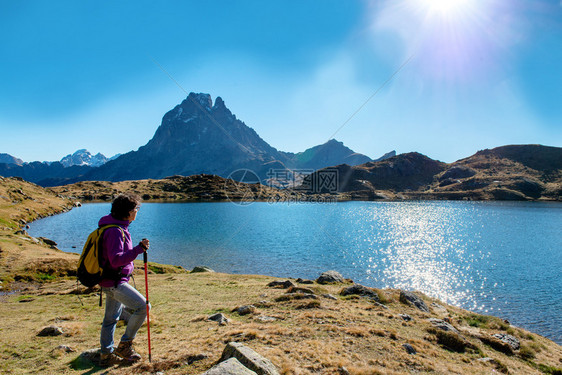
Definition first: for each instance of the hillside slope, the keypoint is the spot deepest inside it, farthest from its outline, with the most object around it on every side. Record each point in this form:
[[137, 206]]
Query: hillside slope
[[515, 172]]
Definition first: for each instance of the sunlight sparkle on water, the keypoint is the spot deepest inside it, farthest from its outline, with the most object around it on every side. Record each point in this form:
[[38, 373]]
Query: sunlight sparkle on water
[[419, 251]]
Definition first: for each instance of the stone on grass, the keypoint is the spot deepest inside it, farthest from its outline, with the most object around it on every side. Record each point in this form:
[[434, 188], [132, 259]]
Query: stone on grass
[[330, 296], [330, 277], [65, 348], [362, 291], [249, 358], [229, 367], [304, 281], [509, 340], [201, 269], [245, 310], [220, 318], [410, 298], [409, 349], [281, 284], [405, 317], [51, 331], [265, 319], [442, 325]]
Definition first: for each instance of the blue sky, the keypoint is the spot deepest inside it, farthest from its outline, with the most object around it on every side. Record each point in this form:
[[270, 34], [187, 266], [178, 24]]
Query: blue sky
[[479, 73]]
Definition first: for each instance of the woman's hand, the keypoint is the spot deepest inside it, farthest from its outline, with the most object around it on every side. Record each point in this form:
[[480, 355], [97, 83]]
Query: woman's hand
[[145, 244]]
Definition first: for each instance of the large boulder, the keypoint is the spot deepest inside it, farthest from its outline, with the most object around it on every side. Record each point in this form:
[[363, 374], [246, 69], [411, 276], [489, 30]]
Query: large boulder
[[410, 298], [330, 277], [249, 358]]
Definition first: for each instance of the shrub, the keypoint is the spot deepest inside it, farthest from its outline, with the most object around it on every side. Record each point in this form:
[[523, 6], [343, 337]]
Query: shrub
[[497, 344], [477, 320], [526, 352], [310, 305], [452, 341]]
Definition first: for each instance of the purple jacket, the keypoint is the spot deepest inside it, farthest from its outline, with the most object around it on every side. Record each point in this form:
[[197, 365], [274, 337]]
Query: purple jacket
[[118, 252]]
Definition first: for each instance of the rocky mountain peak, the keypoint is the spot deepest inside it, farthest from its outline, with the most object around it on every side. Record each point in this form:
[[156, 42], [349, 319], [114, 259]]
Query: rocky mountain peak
[[219, 103], [204, 100]]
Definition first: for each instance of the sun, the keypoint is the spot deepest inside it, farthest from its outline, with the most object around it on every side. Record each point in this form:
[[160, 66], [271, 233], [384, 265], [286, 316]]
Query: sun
[[447, 7]]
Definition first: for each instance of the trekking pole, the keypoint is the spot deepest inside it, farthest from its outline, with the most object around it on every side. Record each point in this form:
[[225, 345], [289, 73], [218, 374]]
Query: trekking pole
[[147, 306]]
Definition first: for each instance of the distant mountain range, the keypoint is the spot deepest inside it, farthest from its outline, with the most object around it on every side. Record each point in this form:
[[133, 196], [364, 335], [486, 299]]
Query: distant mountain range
[[70, 168], [195, 137], [202, 137]]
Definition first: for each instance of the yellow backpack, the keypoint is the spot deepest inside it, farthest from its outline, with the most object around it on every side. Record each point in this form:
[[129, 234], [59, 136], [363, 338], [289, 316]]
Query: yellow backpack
[[92, 268]]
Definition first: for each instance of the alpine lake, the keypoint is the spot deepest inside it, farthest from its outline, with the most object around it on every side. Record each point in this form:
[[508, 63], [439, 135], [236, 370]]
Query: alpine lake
[[496, 258]]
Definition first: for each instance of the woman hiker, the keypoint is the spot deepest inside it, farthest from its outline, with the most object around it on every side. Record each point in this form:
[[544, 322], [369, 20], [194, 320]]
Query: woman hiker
[[119, 253]]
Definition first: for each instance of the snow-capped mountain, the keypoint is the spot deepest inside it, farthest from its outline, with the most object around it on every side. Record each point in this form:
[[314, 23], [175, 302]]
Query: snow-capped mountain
[[84, 157]]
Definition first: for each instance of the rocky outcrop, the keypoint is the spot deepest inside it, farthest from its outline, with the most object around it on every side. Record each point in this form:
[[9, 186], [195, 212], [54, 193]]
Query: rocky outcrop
[[510, 340], [410, 298]]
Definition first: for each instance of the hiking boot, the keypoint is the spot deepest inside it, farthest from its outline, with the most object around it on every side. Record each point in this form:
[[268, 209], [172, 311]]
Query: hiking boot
[[109, 359], [126, 351]]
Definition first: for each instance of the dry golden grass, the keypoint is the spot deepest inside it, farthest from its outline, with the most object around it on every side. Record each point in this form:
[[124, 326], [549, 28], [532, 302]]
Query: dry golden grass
[[343, 333]]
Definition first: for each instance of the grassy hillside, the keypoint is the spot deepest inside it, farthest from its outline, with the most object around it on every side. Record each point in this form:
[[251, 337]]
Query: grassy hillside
[[527, 172]]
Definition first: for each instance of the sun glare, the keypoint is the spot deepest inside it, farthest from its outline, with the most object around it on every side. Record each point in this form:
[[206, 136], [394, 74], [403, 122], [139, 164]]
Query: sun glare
[[446, 7]]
